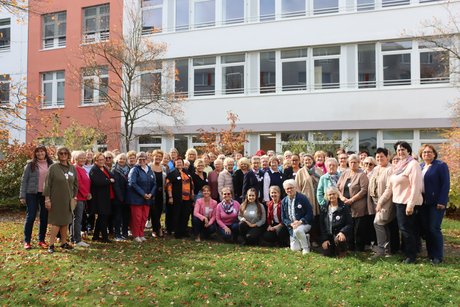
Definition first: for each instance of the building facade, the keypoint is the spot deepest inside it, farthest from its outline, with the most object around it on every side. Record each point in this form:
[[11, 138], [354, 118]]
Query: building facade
[[13, 71], [63, 92], [297, 69]]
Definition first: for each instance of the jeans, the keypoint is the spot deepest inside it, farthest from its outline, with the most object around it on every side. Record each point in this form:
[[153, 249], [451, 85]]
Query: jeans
[[75, 229], [251, 235], [280, 236], [234, 235], [199, 229], [431, 218], [408, 230], [35, 202]]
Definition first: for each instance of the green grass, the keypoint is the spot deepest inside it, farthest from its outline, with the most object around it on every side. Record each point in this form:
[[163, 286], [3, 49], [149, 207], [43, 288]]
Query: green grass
[[182, 272]]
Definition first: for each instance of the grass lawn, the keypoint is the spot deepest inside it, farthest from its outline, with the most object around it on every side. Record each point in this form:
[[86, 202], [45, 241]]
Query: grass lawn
[[183, 272]]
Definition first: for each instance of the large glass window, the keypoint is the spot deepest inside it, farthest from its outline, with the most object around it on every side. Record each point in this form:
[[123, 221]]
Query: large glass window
[[327, 67], [149, 142], [366, 66], [95, 85], [292, 8], [233, 11], [4, 88], [434, 67], [368, 141], [182, 15], [396, 63], [54, 30], [181, 80], [233, 74], [267, 72], [267, 10], [204, 13], [53, 84], [151, 80], [5, 34], [325, 6], [152, 16], [204, 72], [96, 23], [365, 5], [294, 69], [388, 3]]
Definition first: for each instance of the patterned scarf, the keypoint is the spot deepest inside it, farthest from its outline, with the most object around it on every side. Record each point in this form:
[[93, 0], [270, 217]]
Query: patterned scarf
[[228, 208], [334, 178], [401, 166]]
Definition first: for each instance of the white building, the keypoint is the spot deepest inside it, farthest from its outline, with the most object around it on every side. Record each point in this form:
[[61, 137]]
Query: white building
[[13, 67], [290, 68]]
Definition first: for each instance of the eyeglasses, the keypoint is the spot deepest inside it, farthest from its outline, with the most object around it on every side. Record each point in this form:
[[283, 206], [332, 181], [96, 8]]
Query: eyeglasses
[[141, 159], [63, 153], [368, 164], [108, 158], [227, 193], [427, 152]]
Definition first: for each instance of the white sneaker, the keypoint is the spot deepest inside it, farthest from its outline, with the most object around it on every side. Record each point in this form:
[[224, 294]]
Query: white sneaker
[[143, 239], [138, 239], [82, 244], [305, 251]]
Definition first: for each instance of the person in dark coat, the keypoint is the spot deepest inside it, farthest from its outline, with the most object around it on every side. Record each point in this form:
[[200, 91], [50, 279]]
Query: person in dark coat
[[102, 196], [254, 178], [120, 215], [179, 188], [238, 178], [336, 224], [140, 195]]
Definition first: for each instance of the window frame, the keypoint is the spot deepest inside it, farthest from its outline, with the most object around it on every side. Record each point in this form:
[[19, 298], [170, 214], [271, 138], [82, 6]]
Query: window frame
[[7, 26], [223, 65], [59, 41], [329, 86], [152, 30], [151, 69], [96, 77], [5, 83], [201, 67], [305, 59], [401, 52], [98, 35], [54, 89]]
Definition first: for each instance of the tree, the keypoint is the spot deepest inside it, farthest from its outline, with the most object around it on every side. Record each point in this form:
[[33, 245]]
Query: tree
[[134, 89], [322, 142], [226, 141], [12, 113], [15, 7]]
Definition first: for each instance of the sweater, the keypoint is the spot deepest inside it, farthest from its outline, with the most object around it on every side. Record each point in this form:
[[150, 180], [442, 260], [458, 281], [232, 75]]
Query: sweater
[[84, 184], [251, 215], [29, 181], [224, 181], [223, 219], [200, 210]]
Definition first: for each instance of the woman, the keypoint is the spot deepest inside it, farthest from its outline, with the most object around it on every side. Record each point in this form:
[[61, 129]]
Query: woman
[[353, 185], [141, 193], [165, 162], [252, 218], [121, 210], [254, 178], [320, 158], [207, 167], [109, 159], [83, 195], [227, 216], [179, 187], [343, 163], [131, 158], [238, 178], [31, 195], [405, 189], [89, 161], [173, 154], [435, 197], [160, 177], [213, 179], [297, 215], [329, 179], [385, 214], [204, 215], [314, 172], [276, 232], [199, 177], [190, 156], [103, 195], [291, 172], [60, 190], [225, 177], [336, 224], [272, 177], [369, 164]]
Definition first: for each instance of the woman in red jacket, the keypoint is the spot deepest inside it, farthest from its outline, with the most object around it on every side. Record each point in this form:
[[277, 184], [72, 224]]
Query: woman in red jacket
[[83, 195], [276, 232]]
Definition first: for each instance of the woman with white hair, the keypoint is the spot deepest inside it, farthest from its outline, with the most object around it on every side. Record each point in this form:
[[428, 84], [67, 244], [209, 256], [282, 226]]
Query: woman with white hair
[[297, 215], [190, 157], [225, 177], [238, 178]]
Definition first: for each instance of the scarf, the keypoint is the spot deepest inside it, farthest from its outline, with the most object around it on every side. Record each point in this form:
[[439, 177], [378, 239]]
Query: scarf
[[334, 178], [311, 172], [124, 170], [401, 166], [228, 208], [322, 166]]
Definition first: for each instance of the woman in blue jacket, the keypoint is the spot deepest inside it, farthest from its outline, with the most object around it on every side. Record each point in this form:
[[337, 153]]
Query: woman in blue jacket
[[436, 181], [140, 195]]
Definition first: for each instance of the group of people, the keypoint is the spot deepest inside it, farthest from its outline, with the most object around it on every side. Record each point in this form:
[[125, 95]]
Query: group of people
[[301, 200]]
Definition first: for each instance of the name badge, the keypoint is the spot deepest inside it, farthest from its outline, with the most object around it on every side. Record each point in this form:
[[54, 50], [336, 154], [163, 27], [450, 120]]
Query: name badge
[[151, 176], [178, 178], [299, 206], [66, 176], [337, 218], [70, 173], [252, 212]]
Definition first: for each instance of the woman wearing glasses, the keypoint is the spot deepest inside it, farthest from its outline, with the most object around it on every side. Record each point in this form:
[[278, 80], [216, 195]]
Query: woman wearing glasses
[[227, 216], [60, 190]]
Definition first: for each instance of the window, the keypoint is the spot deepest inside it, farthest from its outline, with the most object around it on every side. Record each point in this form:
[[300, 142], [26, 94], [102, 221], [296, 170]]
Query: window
[[4, 88], [327, 67], [204, 70], [233, 74], [149, 142], [181, 79], [182, 15], [266, 10], [365, 5], [151, 81], [390, 137], [325, 6], [152, 16], [366, 66], [204, 13], [233, 11], [388, 3], [5, 34], [96, 21], [294, 69], [292, 8], [53, 84], [434, 66], [267, 72], [54, 30], [95, 85], [396, 63]]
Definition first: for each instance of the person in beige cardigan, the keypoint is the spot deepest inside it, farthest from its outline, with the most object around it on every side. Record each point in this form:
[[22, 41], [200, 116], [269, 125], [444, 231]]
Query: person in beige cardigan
[[353, 185], [405, 189], [224, 180]]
